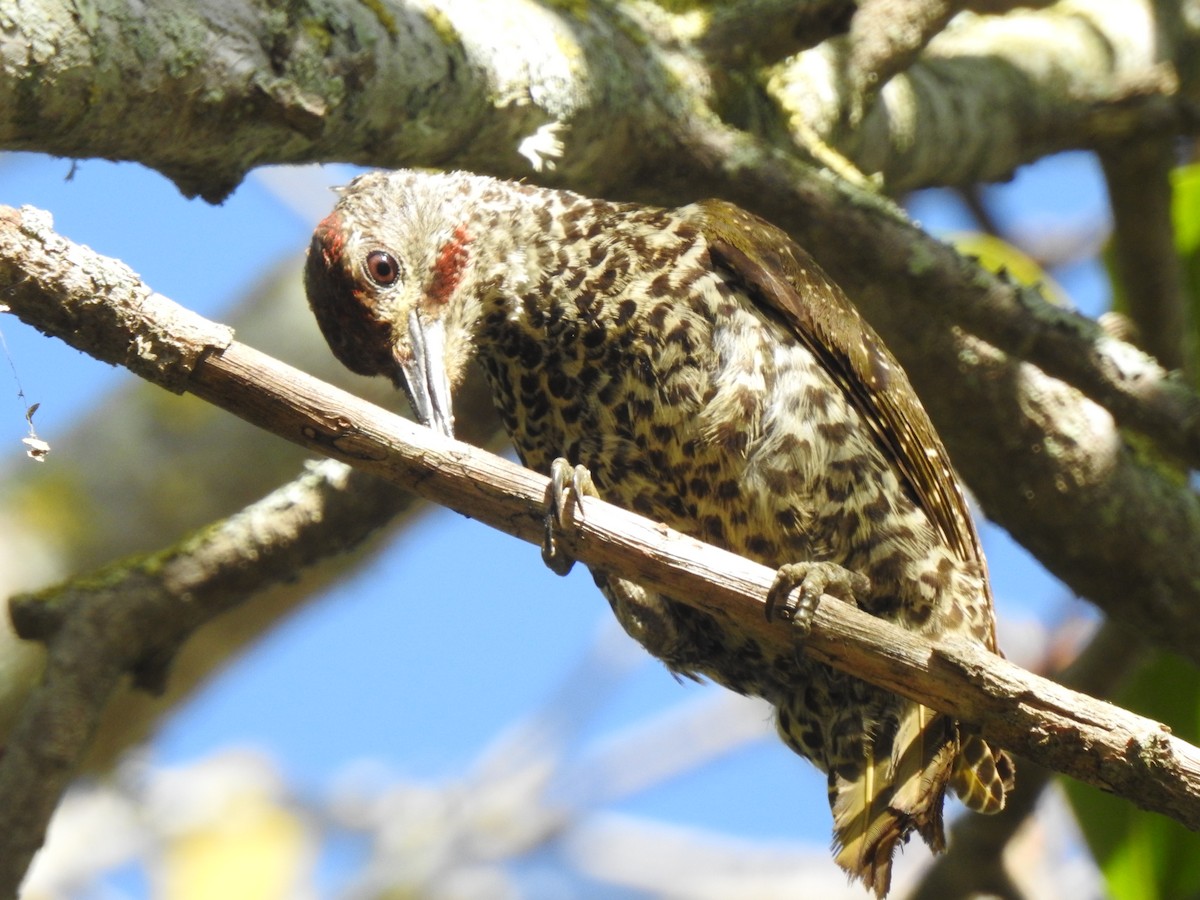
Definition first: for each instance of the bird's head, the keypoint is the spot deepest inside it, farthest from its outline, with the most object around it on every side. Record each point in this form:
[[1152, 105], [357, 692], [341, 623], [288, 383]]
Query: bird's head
[[393, 283]]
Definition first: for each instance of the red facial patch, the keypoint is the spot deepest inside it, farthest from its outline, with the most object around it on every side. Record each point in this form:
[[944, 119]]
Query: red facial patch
[[448, 269], [331, 238]]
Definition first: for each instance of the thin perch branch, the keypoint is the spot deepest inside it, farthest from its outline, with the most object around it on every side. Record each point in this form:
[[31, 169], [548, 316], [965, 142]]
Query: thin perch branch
[[1091, 740]]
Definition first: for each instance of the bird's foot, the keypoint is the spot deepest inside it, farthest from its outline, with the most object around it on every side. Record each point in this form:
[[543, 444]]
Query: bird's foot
[[813, 579], [578, 480]]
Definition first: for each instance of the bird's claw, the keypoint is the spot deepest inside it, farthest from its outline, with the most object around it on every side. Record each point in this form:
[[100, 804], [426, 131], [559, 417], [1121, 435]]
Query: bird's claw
[[578, 480], [813, 579]]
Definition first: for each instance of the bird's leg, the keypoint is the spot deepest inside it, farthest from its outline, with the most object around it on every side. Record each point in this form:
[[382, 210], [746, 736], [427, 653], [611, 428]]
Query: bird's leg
[[563, 476], [813, 579], [645, 615]]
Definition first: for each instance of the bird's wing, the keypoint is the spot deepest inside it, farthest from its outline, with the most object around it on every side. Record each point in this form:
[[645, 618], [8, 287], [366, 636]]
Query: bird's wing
[[788, 282], [872, 816]]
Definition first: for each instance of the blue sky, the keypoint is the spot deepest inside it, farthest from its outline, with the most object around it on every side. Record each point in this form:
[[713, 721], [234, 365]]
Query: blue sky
[[426, 686]]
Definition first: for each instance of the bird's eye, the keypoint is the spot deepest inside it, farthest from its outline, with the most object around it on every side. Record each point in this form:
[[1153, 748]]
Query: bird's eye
[[382, 268]]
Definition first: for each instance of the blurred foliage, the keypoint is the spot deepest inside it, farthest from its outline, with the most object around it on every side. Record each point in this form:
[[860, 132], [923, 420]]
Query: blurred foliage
[[1185, 213], [998, 255], [1145, 856]]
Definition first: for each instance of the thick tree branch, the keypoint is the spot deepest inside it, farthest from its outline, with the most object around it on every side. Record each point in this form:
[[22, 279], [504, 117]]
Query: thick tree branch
[[1088, 739], [507, 85], [510, 87], [992, 93], [1134, 387]]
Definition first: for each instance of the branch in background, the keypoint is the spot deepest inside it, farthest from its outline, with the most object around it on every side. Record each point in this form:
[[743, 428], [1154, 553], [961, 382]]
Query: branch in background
[[1134, 387], [1139, 190], [992, 93], [759, 32], [1046, 463], [131, 618], [1121, 752], [999, 7], [886, 37]]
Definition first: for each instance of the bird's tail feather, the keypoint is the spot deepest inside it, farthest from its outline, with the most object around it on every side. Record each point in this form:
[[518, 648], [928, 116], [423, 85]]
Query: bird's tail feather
[[897, 791]]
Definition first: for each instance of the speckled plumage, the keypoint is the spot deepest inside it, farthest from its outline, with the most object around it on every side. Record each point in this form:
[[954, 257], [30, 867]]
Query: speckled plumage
[[708, 375]]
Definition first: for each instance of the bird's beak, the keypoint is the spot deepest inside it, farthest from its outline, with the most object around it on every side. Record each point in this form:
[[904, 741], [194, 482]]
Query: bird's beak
[[424, 373]]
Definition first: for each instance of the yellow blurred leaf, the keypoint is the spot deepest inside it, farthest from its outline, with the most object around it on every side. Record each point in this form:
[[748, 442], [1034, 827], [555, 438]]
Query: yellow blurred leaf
[[254, 849], [997, 255]]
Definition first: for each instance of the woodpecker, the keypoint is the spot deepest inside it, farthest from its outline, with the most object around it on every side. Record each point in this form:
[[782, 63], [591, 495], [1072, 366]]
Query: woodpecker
[[696, 366]]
